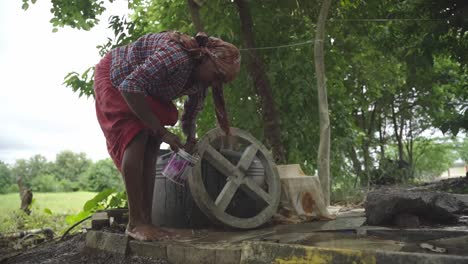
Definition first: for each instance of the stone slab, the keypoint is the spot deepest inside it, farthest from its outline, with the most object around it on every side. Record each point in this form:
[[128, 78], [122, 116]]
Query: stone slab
[[265, 252], [194, 255], [106, 241], [148, 249], [230, 255], [235, 236], [338, 224], [203, 253], [176, 253], [414, 235]]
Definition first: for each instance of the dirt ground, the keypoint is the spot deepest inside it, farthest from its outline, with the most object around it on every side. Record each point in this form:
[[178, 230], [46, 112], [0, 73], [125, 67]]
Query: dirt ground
[[73, 251]]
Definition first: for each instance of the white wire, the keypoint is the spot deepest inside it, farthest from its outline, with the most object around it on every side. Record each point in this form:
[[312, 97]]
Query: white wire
[[351, 19], [280, 46], [387, 19]]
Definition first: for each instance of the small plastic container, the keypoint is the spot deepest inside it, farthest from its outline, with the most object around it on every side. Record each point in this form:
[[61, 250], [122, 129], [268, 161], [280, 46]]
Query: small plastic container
[[179, 166]]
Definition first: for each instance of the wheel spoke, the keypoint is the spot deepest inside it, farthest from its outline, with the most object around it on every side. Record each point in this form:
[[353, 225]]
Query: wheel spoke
[[226, 194], [247, 157], [220, 162], [254, 191]]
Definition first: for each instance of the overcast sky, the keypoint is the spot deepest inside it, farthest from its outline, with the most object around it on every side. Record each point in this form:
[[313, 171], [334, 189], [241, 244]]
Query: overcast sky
[[39, 115]]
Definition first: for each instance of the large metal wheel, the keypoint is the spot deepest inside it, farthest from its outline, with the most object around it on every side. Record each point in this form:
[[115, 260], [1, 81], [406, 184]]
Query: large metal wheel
[[237, 177]]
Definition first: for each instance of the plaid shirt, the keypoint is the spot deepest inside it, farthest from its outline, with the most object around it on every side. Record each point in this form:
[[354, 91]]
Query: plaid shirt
[[160, 68]]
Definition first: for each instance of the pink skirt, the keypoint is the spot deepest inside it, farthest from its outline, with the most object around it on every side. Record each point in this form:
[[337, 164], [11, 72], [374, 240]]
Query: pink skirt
[[119, 124]]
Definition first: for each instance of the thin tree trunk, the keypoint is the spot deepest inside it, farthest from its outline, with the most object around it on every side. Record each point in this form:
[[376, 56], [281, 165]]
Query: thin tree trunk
[[271, 123], [397, 134], [368, 127], [324, 145], [356, 163], [195, 14], [382, 126], [409, 148]]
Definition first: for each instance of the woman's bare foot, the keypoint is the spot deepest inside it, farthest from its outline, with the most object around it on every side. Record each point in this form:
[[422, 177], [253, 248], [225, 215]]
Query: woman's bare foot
[[148, 233]]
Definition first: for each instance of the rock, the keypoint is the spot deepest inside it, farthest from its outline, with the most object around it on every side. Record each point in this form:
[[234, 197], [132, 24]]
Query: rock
[[406, 221], [383, 207]]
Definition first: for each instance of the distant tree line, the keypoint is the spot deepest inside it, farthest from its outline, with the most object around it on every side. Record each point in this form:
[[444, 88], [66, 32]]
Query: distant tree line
[[69, 172], [76, 172]]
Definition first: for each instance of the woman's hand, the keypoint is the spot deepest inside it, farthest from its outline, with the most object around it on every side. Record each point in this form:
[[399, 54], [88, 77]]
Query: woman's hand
[[172, 140], [190, 145]]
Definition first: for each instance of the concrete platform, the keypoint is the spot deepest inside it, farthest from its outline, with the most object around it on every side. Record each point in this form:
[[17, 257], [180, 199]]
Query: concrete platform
[[344, 240]]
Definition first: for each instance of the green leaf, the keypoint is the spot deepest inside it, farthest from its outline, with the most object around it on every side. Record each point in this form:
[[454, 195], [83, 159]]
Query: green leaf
[[33, 1], [54, 30], [25, 6], [93, 203], [72, 219], [47, 211]]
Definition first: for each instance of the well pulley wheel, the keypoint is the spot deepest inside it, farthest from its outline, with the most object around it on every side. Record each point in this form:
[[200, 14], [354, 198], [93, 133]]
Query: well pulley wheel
[[252, 175]]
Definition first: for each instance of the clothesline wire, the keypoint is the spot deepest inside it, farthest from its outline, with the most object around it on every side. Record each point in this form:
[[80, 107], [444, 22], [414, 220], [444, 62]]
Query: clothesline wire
[[387, 19], [280, 46], [350, 19]]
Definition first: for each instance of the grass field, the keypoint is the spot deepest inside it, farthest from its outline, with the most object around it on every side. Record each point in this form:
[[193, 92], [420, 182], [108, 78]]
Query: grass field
[[61, 204], [58, 203]]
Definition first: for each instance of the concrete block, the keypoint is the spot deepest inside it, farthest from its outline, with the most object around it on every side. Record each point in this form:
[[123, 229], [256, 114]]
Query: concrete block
[[111, 242], [263, 252], [196, 255], [228, 256], [202, 254], [99, 220], [148, 249], [176, 253]]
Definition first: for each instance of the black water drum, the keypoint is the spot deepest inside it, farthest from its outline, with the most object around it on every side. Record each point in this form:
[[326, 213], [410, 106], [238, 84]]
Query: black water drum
[[173, 204]]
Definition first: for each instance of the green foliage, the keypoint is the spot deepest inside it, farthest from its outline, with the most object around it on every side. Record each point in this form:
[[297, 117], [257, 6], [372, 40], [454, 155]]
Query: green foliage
[[462, 149], [106, 199], [433, 157], [82, 84], [80, 14], [102, 175], [69, 172], [6, 179], [16, 220], [70, 166], [49, 210], [12, 188], [31, 168], [45, 183]]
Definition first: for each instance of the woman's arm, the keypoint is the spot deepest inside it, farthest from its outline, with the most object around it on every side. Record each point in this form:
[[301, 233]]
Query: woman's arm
[[192, 106], [139, 106]]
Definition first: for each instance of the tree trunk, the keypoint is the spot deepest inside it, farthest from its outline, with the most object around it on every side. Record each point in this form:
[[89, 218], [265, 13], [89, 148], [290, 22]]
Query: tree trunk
[[195, 14], [271, 123], [357, 166], [382, 126], [324, 145], [368, 127], [397, 134], [409, 148], [26, 195]]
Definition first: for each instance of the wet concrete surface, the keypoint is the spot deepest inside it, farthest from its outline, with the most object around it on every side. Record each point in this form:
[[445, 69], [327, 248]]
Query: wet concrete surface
[[346, 232]]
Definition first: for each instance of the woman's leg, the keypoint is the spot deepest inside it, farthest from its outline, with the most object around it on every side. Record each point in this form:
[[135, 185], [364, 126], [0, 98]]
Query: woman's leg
[[132, 172], [149, 171], [133, 164]]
